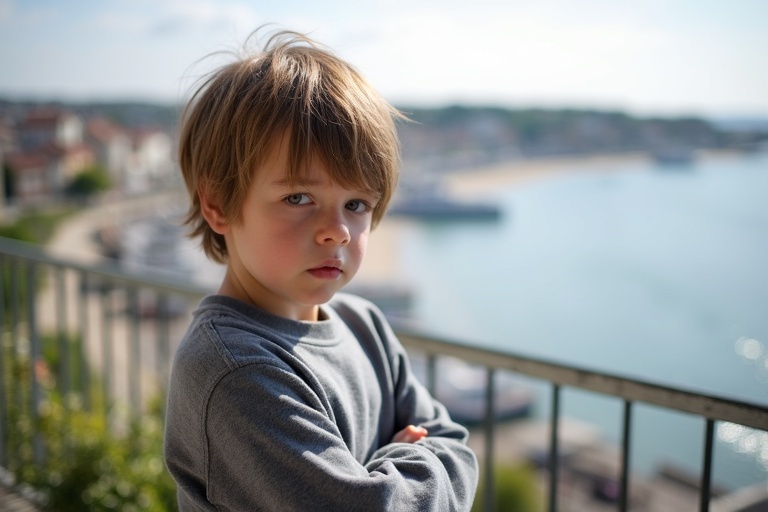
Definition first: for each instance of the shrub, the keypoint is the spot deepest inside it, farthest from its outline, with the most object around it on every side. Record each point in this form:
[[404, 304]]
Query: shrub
[[90, 468], [515, 490], [91, 460], [89, 182], [35, 227]]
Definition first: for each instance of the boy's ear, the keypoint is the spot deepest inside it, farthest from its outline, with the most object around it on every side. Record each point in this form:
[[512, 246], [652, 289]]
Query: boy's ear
[[212, 213]]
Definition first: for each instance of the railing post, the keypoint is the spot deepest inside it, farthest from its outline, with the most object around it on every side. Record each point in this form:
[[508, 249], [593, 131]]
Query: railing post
[[3, 369], [134, 357], [35, 358], [432, 374], [163, 339], [15, 300], [554, 449], [625, 452], [706, 472], [63, 335], [489, 498], [82, 361], [106, 346]]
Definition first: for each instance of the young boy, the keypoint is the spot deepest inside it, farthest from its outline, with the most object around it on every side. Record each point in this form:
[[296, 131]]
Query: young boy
[[285, 395]]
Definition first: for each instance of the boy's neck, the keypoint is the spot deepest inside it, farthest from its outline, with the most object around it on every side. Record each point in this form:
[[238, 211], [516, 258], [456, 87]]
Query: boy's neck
[[231, 287]]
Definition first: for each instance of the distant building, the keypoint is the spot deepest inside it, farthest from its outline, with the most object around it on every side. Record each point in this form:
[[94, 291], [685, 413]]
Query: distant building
[[50, 153], [33, 176], [50, 145], [50, 126], [112, 147], [152, 160]]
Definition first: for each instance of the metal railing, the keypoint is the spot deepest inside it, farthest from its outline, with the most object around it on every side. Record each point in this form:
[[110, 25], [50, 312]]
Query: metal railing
[[125, 326]]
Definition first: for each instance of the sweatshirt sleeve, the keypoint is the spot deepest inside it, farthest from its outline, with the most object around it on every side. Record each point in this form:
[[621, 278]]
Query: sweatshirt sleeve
[[270, 447], [446, 440]]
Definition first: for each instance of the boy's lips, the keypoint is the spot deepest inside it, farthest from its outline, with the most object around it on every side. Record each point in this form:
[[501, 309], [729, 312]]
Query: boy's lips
[[328, 270]]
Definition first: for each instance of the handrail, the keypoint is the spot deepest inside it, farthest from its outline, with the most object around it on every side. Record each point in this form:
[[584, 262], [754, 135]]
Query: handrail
[[710, 407], [694, 402], [150, 277]]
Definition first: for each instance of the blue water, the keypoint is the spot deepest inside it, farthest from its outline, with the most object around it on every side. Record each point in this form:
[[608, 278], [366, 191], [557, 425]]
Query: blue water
[[659, 274]]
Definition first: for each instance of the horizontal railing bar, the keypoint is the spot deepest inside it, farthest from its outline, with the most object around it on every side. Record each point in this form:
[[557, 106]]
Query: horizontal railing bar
[[150, 276], [702, 404]]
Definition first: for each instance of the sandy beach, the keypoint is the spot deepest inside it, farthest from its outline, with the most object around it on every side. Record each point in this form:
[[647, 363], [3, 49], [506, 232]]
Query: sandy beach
[[472, 182]]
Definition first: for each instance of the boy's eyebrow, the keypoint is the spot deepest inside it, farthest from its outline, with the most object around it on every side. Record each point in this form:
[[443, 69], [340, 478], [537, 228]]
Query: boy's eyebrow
[[309, 182], [285, 182]]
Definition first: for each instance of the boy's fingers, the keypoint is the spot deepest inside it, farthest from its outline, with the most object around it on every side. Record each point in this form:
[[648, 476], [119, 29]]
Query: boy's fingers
[[410, 434]]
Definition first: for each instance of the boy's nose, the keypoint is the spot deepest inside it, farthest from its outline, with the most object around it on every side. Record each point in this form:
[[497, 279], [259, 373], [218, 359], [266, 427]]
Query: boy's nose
[[334, 231]]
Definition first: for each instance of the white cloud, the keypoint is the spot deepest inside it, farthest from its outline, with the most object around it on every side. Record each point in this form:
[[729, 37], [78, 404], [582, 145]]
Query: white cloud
[[208, 15], [648, 56], [525, 54]]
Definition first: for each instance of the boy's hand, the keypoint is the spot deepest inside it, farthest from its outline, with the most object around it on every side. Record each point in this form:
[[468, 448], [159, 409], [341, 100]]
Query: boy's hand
[[410, 434]]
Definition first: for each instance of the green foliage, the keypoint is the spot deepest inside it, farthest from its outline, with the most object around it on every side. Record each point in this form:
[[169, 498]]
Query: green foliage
[[64, 363], [515, 489], [14, 289], [17, 231], [89, 182], [90, 468], [92, 460], [35, 227]]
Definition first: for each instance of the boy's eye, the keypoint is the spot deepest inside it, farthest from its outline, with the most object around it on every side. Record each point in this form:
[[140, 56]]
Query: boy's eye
[[358, 206], [296, 199]]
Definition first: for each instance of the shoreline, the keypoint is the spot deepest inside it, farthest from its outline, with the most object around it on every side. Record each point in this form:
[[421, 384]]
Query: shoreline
[[468, 182]]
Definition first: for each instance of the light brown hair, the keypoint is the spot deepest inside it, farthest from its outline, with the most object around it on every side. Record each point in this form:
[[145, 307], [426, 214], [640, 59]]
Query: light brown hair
[[292, 86]]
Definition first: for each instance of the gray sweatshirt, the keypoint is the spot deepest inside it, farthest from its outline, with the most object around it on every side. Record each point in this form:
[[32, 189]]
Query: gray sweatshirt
[[267, 413]]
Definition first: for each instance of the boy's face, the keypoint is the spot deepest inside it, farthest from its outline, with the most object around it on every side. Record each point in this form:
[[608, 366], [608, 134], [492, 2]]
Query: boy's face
[[294, 246]]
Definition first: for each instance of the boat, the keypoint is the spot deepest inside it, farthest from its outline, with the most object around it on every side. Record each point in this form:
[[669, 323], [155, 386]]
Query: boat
[[426, 200], [444, 209], [674, 157]]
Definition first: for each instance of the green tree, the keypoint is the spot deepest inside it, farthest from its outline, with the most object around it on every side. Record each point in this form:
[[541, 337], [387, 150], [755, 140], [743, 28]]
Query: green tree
[[91, 181]]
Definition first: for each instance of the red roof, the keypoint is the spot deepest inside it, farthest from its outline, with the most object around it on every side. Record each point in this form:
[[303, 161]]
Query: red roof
[[21, 162], [44, 117], [102, 129]]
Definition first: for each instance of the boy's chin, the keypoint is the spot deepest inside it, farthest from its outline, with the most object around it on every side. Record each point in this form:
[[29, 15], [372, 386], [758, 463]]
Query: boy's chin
[[322, 297]]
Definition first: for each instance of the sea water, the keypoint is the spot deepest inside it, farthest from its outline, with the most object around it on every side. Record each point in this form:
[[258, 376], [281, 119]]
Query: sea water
[[656, 273]]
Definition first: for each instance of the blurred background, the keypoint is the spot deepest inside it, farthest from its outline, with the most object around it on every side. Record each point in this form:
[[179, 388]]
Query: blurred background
[[584, 181]]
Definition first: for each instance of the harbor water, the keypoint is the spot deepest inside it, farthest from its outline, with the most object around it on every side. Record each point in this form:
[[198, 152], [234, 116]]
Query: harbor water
[[653, 272]]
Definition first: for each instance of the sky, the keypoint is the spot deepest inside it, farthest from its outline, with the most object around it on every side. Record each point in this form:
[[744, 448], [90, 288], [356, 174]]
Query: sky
[[648, 57]]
